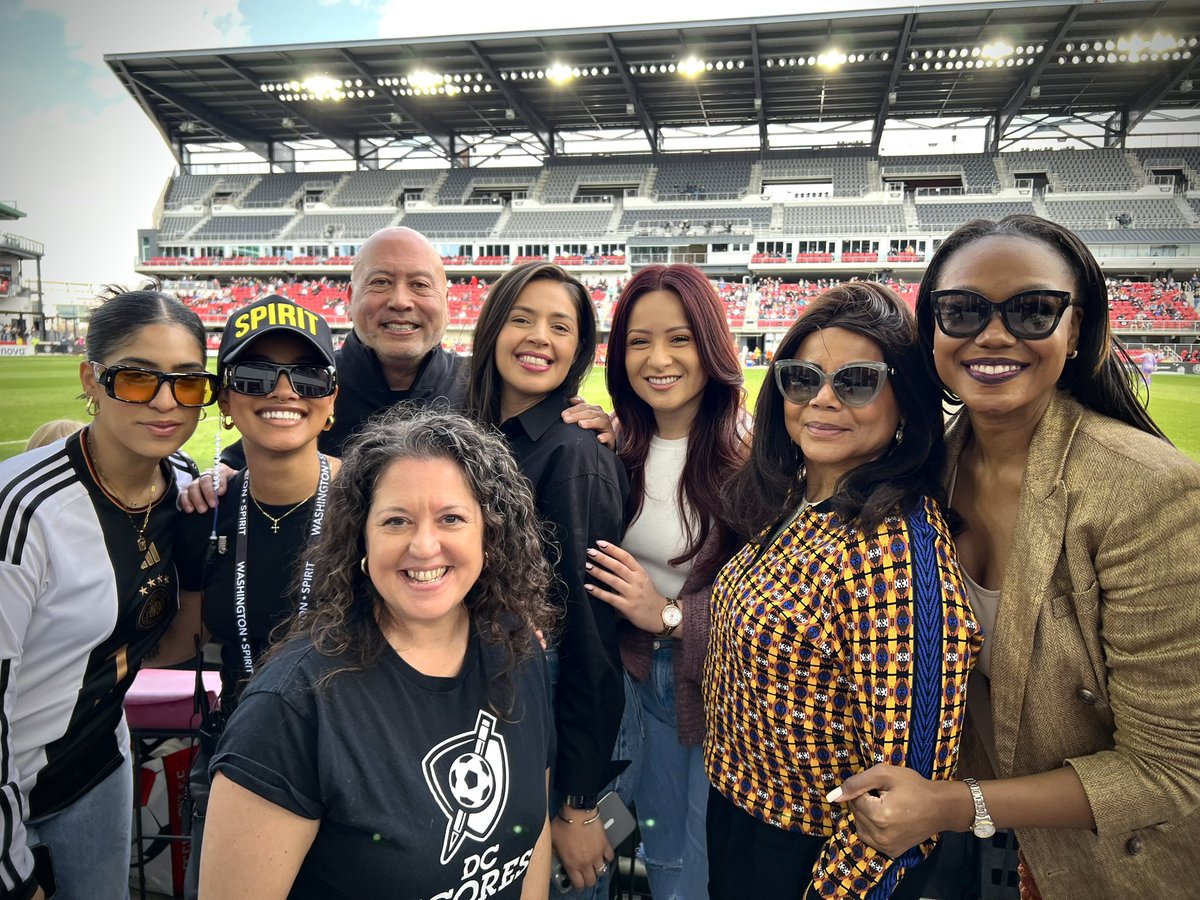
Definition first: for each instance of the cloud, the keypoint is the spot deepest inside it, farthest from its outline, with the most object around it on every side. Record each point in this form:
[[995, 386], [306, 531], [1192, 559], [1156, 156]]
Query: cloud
[[88, 179], [128, 26]]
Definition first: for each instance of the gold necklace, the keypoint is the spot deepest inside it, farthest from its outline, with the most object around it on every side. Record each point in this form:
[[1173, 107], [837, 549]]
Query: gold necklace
[[107, 486], [275, 520]]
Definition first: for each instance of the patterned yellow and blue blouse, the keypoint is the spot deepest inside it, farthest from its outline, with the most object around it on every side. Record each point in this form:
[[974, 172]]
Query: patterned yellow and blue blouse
[[833, 650]]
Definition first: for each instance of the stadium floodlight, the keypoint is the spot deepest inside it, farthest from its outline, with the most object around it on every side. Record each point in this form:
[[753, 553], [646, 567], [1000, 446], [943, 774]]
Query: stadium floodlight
[[831, 59], [560, 74], [423, 79], [691, 67], [997, 50], [322, 87]]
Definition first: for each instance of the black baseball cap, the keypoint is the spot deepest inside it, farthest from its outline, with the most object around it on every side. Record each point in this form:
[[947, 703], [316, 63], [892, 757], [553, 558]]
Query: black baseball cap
[[273, 315]]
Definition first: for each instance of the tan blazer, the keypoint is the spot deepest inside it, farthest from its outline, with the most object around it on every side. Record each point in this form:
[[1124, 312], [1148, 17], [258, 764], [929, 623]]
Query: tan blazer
[[1096, 654]]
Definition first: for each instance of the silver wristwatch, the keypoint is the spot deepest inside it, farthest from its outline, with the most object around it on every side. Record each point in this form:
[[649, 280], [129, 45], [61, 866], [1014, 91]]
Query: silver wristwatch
[[672, 616], [983, 826]]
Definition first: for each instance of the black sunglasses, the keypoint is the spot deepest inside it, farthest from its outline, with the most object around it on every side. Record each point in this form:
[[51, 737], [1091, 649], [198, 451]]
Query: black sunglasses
[[133, 384], [258, 378], [1029, 315], [855, 384]]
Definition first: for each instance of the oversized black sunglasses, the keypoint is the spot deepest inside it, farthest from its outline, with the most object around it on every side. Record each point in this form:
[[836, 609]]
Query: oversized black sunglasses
[[855, 384], [1029, 315], [133, 384], [258, 378]]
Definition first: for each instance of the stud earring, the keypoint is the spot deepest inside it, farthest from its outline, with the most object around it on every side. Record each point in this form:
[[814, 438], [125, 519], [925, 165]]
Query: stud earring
[[90, 406]]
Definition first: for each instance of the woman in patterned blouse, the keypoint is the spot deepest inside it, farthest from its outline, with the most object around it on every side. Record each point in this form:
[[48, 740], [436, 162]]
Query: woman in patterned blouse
[[841, 633]]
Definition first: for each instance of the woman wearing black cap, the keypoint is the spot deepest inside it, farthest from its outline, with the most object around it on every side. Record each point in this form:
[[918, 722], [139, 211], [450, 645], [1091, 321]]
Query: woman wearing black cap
[[276, 370]]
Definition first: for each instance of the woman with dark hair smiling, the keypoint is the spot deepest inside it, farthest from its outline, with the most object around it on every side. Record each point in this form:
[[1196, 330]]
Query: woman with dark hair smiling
[[397, 744], [676, 384], [841, 632], [534, 342], [1078, 551], [91, 561]]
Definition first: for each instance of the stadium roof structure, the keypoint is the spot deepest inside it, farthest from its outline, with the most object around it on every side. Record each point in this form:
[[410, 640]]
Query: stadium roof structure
[[1012, 63], [9, 211]]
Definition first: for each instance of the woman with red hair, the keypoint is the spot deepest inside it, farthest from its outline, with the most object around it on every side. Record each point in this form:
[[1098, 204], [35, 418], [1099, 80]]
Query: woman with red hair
[[676, 385]]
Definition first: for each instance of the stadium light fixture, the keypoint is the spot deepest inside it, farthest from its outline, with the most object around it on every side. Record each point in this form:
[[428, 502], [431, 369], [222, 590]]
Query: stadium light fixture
[[997, 50], [423, 80], [831, 59], [690, 67]]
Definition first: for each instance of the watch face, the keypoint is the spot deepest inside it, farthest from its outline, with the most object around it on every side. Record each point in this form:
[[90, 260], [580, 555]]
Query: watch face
[[984, 829], [672, 615]]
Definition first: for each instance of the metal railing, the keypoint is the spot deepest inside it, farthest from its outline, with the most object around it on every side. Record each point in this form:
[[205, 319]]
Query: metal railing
[[685, 228], [22, 244], [699, 195]]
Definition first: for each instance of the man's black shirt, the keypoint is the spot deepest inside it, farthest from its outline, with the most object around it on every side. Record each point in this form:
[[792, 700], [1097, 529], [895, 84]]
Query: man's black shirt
[[579, 486], [363, 391]]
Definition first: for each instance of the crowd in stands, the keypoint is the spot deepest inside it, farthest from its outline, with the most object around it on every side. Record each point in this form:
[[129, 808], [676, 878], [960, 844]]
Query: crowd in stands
[[1163, 300]]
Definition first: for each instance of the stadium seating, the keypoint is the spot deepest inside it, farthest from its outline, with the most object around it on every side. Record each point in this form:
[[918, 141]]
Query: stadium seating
[[703, 219], [241, 228], [540, 222], [825, 218], [344, 227], [383, 187], [461, 183], [700, 176], [1076, 170], [977, 170], [565, 176], [1143, 213], [283, 190], [849, 174], [477, 223], [173, 228], [948, 216]]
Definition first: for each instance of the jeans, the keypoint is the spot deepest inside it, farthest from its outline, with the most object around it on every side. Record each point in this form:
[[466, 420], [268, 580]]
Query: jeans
[[671, 790], [90, 840]]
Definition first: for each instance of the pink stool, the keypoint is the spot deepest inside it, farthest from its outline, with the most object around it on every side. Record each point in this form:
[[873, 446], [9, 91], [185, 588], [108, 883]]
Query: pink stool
[[161, 704]]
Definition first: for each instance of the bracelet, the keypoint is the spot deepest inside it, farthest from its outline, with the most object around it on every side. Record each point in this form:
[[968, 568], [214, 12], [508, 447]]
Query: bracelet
[[595, 818]]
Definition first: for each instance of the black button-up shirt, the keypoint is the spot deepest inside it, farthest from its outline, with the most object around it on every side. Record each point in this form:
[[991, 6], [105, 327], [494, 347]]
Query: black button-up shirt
[[580, 487]]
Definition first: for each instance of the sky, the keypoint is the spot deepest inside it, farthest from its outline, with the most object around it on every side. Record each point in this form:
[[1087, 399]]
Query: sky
[[79, 157]]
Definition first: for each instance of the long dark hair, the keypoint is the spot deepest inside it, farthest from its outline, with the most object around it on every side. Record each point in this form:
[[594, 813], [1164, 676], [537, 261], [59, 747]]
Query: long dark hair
[[506, 603], [715, 448], [769, 485], [483, 379], [1102, 377]]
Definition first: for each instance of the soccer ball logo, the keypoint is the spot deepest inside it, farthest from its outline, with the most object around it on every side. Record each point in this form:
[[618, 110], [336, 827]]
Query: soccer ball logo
[[471, 781]]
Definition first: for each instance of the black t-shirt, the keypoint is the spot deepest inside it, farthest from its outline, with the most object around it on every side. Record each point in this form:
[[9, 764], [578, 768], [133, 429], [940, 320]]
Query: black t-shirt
[[421, 787], [273, 559]]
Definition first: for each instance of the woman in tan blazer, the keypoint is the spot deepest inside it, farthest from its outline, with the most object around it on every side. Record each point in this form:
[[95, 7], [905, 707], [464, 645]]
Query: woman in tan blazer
[[1080, 549]]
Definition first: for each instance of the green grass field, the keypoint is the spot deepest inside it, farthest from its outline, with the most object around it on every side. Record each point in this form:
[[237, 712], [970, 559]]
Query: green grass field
[[36, 389]]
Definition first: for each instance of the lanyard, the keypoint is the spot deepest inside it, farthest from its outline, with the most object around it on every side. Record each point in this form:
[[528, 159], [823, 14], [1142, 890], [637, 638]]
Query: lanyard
[[239, 562]]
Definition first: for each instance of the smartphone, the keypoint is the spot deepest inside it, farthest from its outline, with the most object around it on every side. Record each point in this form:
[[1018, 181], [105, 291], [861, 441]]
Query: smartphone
[[618, 823]]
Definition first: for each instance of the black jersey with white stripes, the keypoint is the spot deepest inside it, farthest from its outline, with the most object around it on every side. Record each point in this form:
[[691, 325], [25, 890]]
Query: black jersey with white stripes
[[80, 606]]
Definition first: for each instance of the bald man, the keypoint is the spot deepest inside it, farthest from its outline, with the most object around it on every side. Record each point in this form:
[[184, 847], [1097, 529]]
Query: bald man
[[399, 309]]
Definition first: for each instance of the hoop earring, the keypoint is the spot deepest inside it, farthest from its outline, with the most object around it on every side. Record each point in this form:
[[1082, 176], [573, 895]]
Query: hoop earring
[[1072, 354], [362, 564], [90, 406], [203, 414], [329, 422], [227, 422]]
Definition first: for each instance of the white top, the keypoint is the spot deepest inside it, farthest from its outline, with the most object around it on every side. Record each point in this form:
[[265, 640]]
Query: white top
[[658, 533]]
